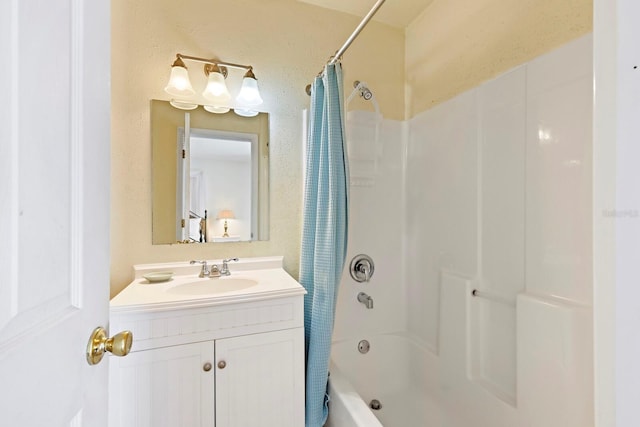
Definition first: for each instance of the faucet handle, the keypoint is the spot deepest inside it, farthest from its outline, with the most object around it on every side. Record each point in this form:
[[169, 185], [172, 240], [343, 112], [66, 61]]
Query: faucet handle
[[225, 266], [361, 268], [205, 270]]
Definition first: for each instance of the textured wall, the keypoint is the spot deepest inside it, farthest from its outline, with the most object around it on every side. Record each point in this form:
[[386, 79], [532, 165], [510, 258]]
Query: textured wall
[[287, 42], [454, 45]]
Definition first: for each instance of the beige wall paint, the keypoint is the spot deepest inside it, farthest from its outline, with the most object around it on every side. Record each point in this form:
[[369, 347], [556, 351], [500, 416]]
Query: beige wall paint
[[454, 45], [287, 42]]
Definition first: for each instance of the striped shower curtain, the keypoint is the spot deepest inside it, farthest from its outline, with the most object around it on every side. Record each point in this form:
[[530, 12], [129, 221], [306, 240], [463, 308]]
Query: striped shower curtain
[[324, 233]]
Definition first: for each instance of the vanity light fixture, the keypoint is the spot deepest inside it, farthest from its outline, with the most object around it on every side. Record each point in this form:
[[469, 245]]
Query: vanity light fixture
[[183, 105], [215, 93], [249, 94], [179, 83]]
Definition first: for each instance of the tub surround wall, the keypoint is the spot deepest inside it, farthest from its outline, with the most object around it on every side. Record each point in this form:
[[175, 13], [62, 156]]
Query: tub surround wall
[[375, 229], [442, 201], [454, 46], [501, 106], [396, 371], [466, 401], [287, 42], [498, 198]]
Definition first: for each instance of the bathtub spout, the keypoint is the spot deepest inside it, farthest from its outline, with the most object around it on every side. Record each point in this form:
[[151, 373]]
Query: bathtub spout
[[365, 299]]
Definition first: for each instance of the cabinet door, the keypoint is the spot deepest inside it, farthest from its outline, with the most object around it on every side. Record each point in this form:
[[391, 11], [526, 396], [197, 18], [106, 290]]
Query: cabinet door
[[164, 387], [261, 380]]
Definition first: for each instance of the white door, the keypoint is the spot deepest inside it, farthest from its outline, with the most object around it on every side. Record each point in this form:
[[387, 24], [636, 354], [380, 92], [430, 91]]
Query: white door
[[54, 209]]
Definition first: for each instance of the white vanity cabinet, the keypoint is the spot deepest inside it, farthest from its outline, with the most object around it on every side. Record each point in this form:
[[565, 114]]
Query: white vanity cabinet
[[256, 379], [211, 362], [163, 387], [251, 380]]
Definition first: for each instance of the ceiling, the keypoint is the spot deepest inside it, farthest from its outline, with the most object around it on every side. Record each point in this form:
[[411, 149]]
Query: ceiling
[[397, 13]]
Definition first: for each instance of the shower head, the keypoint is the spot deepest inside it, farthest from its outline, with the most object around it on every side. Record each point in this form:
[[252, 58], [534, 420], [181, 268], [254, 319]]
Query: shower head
[[364, 90], [361, 89]]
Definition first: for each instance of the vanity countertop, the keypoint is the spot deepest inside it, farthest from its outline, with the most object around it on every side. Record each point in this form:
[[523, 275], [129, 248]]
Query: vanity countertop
[[251, 279]]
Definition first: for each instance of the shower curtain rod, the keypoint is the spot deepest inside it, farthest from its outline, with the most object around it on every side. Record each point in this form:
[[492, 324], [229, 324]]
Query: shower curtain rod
[[357, 31], [336, 57]]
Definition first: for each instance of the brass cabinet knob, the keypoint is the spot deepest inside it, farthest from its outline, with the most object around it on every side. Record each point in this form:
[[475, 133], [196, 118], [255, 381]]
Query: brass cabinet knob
[[99, 343], [222, 364], [206, 367]]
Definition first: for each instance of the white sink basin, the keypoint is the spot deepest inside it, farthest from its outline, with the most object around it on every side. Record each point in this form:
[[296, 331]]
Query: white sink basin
[[212, 286], [251, 279]]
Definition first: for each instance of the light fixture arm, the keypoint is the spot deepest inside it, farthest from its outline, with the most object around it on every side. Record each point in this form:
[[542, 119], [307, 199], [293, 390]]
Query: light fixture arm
[[214, 62]]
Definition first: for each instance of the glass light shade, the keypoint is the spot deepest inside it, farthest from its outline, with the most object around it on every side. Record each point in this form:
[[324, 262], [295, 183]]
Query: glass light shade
[[245, 113], [216, 90], [183, 105], [215, 109], [249, 95], [179, 83]]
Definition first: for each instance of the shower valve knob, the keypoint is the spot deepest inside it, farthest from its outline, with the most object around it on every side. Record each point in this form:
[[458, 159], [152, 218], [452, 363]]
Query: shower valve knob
[[361, 268]]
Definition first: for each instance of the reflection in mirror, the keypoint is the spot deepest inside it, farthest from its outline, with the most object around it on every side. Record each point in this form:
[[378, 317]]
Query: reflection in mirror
[[223, 182], [210, 176]]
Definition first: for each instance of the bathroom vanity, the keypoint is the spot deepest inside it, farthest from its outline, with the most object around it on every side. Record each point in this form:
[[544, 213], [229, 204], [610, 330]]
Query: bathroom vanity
[[226, 351]]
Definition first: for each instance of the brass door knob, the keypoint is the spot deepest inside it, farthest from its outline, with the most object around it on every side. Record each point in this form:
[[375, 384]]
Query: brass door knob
[[222, 364], [206, 367], [99, 343]]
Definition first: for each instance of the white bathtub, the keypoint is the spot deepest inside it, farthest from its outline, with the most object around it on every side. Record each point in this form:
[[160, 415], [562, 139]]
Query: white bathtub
[[396, 371]]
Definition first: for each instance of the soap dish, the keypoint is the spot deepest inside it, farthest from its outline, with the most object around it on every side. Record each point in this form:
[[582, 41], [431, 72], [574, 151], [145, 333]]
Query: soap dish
[[159, 276]]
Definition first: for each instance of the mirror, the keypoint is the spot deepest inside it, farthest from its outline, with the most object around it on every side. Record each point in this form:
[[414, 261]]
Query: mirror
[[210, 176]]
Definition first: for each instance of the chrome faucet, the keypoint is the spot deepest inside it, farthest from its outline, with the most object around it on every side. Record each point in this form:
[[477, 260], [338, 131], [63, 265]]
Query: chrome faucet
[[214, 271], [366, 300], [225, 266], [204, 272]]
